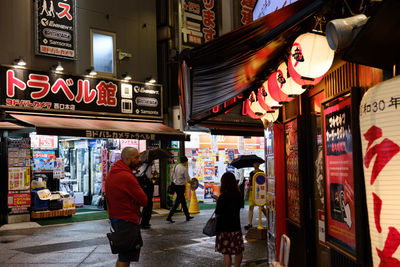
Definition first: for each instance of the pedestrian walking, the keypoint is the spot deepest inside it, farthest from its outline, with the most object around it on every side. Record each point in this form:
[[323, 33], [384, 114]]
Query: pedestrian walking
[[181, 176], [125, 197], [229, 239], [148, 188], [256, 166]]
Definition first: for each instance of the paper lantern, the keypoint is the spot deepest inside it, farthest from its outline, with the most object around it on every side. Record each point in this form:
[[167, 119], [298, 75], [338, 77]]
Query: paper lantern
[[254, 110], [271, 117], [380, 138], [290, 87], [297, 78], [275, 83], [310, 55], [265, 100]]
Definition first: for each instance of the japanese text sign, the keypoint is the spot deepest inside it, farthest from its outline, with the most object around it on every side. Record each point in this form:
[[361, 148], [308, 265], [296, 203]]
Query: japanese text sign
[[260, 189], [339, 174], [380, 138], [55, 28], [246, 11], [200, 19], [264, 7], [47, 92]]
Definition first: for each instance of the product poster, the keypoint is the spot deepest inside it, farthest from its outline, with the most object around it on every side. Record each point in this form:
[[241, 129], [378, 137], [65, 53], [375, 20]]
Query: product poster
[[208, 191], [339, 174], [43, 160], [209, 168], [18, 178], [292, 172]]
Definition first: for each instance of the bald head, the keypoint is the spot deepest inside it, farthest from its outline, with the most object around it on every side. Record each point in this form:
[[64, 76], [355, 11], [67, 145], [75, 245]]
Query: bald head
[[130, 156]]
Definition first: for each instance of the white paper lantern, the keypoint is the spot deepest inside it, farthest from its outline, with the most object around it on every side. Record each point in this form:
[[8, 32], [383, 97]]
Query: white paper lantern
[[290, 87], [254, 109], [311, 57], [265, 99], [380, 137], [271, 117]]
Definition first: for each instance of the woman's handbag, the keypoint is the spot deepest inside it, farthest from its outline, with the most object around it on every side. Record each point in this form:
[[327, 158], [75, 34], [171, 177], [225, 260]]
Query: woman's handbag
[[211, 225]]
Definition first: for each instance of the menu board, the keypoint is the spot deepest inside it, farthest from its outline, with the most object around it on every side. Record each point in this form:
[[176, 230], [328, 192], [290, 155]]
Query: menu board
[[292, 172], [339, 174]]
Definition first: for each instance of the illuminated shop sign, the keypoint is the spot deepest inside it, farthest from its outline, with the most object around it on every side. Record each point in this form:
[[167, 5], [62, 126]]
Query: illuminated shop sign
[[264, 7], [55, 28], [47, 92]]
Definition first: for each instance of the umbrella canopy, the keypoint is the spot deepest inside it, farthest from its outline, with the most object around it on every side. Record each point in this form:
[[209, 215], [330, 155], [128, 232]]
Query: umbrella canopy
[[245, 161], [152, 154]]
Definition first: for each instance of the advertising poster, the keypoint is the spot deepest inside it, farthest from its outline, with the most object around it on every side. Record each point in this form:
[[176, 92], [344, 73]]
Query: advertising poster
[[18, 178], [58, 170], [208, 191], [43, 160], [339, 174], [292, 172], [209, 168]]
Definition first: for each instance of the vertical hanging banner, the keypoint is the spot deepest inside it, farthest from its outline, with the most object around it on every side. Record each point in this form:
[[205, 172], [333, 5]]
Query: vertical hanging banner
[[380, 138], [340, 213], [55, 32], [199, 22], [292, 173], [246, 11]]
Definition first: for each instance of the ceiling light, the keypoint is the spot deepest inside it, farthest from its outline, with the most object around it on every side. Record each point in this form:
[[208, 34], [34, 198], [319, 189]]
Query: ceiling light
[[57, 67], [150, 80], [20, 61], [126, 77], [91, 71]]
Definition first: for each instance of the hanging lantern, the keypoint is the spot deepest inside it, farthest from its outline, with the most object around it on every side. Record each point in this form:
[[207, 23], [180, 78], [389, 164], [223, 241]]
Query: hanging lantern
[[265, 100], [297, 78], [271, 117], [254, 110], [380, 138], [310, 56], [290, 87], [275, 83]]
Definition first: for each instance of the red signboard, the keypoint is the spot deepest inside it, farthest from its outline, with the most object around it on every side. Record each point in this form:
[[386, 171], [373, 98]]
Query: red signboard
[[19, 199], [340, 213]]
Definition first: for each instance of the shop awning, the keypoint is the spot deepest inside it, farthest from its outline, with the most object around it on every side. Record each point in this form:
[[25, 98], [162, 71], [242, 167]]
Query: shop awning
[[100, 128], [240, 61], [5, 125]]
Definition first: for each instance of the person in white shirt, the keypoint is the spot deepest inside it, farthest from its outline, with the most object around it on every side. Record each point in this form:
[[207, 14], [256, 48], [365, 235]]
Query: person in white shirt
[[180, 175], [149, 190]]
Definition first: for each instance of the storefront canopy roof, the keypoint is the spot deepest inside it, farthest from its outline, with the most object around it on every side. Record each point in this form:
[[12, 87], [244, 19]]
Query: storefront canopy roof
[[5, 125], [241, 60], [100, 128]]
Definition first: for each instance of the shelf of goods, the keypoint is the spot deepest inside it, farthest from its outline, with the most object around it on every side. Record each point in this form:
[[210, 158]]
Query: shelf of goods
[[52, 213]]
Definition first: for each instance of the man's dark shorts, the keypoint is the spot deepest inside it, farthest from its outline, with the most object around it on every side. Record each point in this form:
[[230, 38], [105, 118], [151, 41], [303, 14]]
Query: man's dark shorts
[[134, 254]]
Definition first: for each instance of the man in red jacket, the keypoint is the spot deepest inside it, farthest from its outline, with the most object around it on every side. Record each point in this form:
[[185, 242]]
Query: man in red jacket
[[125, 196]]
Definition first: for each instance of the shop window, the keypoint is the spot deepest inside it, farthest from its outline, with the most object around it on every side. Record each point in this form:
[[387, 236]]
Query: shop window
[[103, 51]]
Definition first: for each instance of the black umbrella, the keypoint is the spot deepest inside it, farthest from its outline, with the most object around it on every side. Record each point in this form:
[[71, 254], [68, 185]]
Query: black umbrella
[[152, 154], [245, 161]]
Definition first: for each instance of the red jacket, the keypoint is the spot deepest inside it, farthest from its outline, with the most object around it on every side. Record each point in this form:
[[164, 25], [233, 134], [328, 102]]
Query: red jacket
[[124, 194]]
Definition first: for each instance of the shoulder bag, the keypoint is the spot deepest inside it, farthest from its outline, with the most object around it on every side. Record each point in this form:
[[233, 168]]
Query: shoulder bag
[[211, 225], [171, 186]]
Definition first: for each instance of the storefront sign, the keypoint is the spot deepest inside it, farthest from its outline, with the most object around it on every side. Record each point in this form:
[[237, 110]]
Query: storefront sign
[[380, 138], [44, 141], [19, 199], [339, 175], [292, 172], [55, 30], [200, 20], [52, 92], [260, 189], [264, 7]]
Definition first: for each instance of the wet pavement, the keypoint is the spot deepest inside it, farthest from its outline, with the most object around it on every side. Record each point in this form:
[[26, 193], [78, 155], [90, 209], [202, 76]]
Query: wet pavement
[[85, 244]]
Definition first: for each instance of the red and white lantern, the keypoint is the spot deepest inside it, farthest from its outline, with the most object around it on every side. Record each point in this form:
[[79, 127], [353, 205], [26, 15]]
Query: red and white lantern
[[254, 110], [271, 117], [310, 57], [265, 100], [275, 84], [380, 127], [290, 87]]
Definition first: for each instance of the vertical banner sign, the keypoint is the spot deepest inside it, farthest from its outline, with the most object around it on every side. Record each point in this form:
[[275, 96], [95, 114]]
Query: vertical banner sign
[[55, 28], [292, 172], [260, 189], [380, 138], [104, 168], [199, 20], [246, 11], [339, 175]]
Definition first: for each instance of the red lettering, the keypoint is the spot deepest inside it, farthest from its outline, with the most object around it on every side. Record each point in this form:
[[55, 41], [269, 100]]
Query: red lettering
[[13, 82], [377, 212], [41, 82], [65, 12]]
